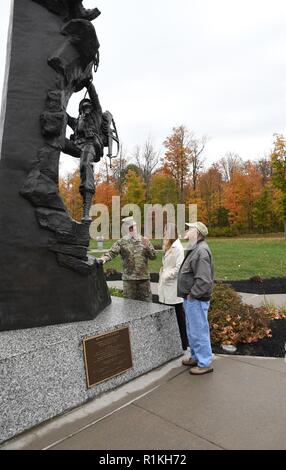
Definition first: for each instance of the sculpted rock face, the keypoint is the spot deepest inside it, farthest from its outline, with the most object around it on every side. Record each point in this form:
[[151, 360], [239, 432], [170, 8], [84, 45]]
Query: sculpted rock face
[[46, 276]]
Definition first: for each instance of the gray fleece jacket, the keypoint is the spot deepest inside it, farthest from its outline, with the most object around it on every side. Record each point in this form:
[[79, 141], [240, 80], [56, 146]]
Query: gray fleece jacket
[[196, 275]]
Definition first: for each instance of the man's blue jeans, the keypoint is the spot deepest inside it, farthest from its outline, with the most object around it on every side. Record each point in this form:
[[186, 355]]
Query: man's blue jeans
[[198, 331]]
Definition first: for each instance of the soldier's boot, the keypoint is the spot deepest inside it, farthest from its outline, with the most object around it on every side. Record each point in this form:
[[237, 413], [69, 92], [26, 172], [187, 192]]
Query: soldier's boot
[[87, 200]]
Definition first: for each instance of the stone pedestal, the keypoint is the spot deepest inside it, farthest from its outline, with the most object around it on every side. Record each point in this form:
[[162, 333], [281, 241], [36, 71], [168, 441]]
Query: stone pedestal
[[42, 372]]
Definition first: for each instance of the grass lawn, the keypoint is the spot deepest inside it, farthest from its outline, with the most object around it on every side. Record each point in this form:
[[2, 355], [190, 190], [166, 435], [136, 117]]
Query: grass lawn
[[242, 259], [234, 258]]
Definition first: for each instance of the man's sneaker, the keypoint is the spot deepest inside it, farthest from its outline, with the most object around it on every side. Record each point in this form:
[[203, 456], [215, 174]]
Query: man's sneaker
[[201, 370], [189, 362]]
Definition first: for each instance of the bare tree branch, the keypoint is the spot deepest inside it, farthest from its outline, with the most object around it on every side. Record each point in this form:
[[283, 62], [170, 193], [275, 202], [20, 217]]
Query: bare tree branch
[[147, 160]]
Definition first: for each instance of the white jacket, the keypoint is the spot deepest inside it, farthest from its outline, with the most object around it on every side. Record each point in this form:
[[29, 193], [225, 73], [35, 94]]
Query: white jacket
[[167, 287]]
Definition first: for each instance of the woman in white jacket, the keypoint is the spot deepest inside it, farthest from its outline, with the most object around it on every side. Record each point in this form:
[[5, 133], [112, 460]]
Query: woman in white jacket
[[168, 276]]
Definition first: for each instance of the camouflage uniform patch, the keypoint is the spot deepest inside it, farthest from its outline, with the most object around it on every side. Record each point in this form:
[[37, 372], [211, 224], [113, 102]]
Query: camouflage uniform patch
[[137, 290], [135, 255]]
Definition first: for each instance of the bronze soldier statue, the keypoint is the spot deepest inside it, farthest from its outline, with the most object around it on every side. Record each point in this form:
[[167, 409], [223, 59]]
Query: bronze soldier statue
[[93, 130], [135, 251]]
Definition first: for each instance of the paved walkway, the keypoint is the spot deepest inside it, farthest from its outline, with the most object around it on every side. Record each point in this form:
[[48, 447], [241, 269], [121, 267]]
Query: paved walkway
[[279, 300], [242, 405]]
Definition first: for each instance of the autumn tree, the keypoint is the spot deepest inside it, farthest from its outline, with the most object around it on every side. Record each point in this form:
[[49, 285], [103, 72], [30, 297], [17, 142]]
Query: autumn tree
[[210, 190], [119, 170], [134, 191], [264, 167], [278, 165], [105, 191], [101, 171], [163, 189], [240, 195], [178, 159], [147, 159], [222, 216], [263, 210], [197, 147], [134, 168], [228, 164], [278, 207], [195, 199], [184, 158], [69, 191]]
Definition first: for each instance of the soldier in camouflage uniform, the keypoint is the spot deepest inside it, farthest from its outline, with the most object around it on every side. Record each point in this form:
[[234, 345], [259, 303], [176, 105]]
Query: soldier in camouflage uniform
[[135, 252]]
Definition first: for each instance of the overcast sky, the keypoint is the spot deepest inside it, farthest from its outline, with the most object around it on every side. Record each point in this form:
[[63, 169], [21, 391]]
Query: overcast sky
[[216, 66]]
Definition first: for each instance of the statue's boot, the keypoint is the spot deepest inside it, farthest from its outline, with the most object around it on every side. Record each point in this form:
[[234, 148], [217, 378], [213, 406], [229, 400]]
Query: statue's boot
[[87, 200]]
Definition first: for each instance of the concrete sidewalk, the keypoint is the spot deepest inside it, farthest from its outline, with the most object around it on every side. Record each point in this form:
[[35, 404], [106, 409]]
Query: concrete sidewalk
[[242, 405], [278, 300]]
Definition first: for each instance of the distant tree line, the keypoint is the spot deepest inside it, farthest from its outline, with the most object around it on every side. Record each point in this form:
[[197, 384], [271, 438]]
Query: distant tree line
[[233, 196]]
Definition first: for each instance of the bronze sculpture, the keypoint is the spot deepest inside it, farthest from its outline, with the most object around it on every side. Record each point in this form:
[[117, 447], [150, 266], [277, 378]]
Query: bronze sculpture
[[92, 132], [47, 274]]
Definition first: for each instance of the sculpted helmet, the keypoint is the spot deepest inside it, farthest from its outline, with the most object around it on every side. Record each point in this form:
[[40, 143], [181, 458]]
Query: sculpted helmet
[[83, 102]]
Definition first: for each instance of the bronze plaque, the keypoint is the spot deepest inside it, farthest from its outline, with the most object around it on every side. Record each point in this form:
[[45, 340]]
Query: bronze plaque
[[107, 355]]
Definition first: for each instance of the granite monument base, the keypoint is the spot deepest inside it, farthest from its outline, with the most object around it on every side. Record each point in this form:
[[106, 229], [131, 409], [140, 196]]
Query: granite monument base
[[42, 370]]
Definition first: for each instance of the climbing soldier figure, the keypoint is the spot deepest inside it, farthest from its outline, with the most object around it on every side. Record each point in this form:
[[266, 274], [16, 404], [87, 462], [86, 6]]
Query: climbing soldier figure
[[92, 132]]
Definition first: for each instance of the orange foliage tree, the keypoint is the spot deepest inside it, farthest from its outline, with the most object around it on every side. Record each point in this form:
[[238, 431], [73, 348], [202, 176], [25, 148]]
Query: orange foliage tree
[[178, 159], [134, 190], [105, 192], [240, 195], [278, 164], [248, 196], [210, 189], [69, 191]]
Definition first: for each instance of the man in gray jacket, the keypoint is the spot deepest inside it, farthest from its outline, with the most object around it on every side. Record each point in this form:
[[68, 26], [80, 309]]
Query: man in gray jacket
[[195, 285]]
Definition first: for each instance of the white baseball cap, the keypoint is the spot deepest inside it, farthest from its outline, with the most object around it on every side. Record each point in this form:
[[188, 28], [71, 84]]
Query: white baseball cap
[[200, 228]]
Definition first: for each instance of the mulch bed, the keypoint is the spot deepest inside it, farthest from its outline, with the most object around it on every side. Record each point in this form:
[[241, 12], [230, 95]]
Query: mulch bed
[[255, 285], [267, 347]]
